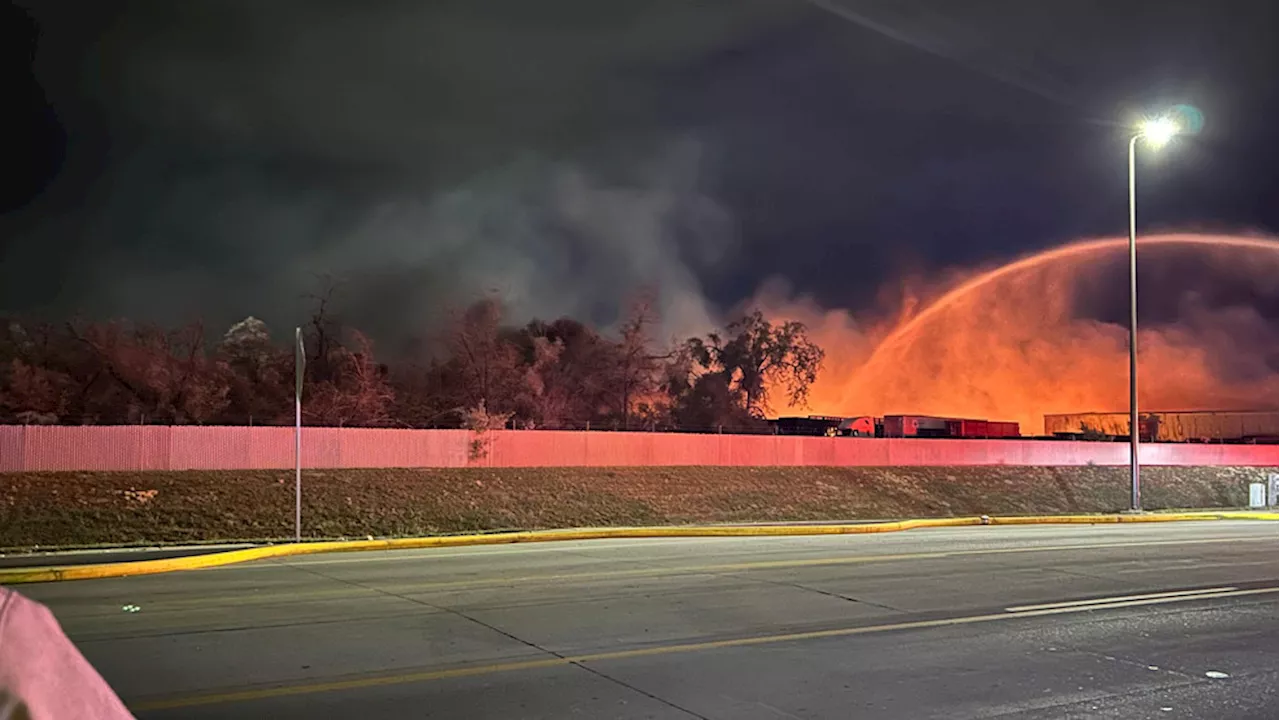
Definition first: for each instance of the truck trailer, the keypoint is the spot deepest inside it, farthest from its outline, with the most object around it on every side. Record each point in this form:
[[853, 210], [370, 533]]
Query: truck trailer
[[1175, 426], [895, 426], [940, 427]]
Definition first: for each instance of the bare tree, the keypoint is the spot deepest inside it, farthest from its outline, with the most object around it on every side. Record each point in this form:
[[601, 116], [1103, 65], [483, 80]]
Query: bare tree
[[324, 329], [34, 395], [358, 392], [545, 399], [487, 364], [164, 375], [636, 372]]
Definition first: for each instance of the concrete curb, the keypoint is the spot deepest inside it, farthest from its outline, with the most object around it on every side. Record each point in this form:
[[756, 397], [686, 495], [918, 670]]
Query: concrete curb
[[16, 576]]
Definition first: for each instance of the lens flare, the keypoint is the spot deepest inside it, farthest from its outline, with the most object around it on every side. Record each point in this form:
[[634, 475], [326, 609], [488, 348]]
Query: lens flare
[[1025, 339], [1160, 131]]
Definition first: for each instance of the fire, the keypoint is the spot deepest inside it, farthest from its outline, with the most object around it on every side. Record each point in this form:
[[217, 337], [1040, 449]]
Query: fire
[[1042, 335]]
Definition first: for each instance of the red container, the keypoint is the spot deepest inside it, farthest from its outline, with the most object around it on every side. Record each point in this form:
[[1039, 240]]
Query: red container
[[914, 426], [967, 429], [998, 429]]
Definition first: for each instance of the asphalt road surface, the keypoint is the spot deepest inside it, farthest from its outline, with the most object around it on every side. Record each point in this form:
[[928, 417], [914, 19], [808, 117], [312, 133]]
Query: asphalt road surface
[[976, 622]]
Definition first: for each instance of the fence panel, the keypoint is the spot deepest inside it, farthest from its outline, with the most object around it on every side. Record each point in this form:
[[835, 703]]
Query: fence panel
[[321, 447], [272, 448], [532, 448], [753, 450], [12, 453], [1211, 455], [231, 448], [872, 452], [1051, 453], [682, 449], [209, 448], [940, 452], [380, 448], [123, 447], [619, 449]]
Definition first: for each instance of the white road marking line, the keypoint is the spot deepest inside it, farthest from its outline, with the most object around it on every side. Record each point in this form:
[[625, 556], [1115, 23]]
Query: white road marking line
[[1120, 598]]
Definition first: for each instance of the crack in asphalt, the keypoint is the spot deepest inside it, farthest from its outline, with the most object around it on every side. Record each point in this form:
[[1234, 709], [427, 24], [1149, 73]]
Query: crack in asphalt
[[528, 643]]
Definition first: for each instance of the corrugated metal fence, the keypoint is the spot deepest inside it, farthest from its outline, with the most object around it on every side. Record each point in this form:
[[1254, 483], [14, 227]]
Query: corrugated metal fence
[[31, 448]]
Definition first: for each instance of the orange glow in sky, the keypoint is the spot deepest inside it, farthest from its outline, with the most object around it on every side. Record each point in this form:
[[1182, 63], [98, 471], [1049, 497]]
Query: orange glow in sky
[[1011, 344]]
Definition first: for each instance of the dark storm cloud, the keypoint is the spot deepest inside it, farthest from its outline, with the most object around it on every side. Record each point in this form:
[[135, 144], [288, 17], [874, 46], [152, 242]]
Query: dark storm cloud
[[222, 154], [430, 88], [420, 153]]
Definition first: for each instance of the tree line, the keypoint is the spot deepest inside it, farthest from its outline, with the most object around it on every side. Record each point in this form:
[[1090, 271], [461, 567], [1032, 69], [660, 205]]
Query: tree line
[[481, 373]]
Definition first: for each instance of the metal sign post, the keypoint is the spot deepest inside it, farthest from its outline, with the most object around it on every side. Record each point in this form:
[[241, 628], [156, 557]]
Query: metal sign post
[[299, 365]]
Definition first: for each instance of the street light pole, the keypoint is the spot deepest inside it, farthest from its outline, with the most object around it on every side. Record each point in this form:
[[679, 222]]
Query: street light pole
[[1135, 499], [1156, 132]]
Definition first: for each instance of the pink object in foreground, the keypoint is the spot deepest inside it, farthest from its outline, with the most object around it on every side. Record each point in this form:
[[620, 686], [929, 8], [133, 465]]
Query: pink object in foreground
[[42, 674]]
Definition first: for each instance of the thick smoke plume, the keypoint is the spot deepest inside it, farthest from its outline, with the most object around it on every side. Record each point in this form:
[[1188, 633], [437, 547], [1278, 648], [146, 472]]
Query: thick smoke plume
[[550, 239], [420, 154], [1044, 336]]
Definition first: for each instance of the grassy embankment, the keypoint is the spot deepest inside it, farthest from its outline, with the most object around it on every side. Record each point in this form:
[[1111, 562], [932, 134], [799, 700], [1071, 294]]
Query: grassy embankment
[[92, 508]]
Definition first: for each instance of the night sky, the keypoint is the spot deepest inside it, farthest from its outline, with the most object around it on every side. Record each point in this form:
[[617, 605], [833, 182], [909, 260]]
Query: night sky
[[172, 160]]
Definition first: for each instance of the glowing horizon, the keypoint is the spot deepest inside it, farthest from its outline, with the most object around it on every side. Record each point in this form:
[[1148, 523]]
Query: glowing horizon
[[1062, 251], [1007, 344]]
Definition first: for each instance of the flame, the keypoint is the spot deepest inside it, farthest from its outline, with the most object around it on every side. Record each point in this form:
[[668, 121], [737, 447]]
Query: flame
[[1012, 343]]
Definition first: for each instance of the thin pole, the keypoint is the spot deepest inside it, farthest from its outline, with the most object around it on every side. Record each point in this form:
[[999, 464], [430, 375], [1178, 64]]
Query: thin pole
[[297, 461], [300, 359], [1135, 502]]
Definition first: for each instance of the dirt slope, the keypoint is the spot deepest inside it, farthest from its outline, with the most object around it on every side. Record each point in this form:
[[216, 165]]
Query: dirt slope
[[81, 508]]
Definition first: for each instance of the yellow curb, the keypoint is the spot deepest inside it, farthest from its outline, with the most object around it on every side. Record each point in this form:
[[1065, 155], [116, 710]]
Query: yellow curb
[[1135, 518], [14, 576]]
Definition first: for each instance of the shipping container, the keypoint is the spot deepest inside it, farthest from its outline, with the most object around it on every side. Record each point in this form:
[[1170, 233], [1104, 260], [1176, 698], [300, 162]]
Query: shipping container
[[967, 428], [1178, 426], [914, 426], [1003, 429]]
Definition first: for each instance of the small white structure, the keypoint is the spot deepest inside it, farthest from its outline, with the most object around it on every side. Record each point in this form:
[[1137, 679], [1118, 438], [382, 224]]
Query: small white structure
[[1257, 495]]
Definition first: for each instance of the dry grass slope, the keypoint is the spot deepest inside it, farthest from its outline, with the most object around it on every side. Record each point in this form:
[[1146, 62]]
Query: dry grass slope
[[84, 508]]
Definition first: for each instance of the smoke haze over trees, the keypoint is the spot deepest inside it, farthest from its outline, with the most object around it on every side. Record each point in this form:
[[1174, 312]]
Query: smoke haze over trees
[[482, 373]]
